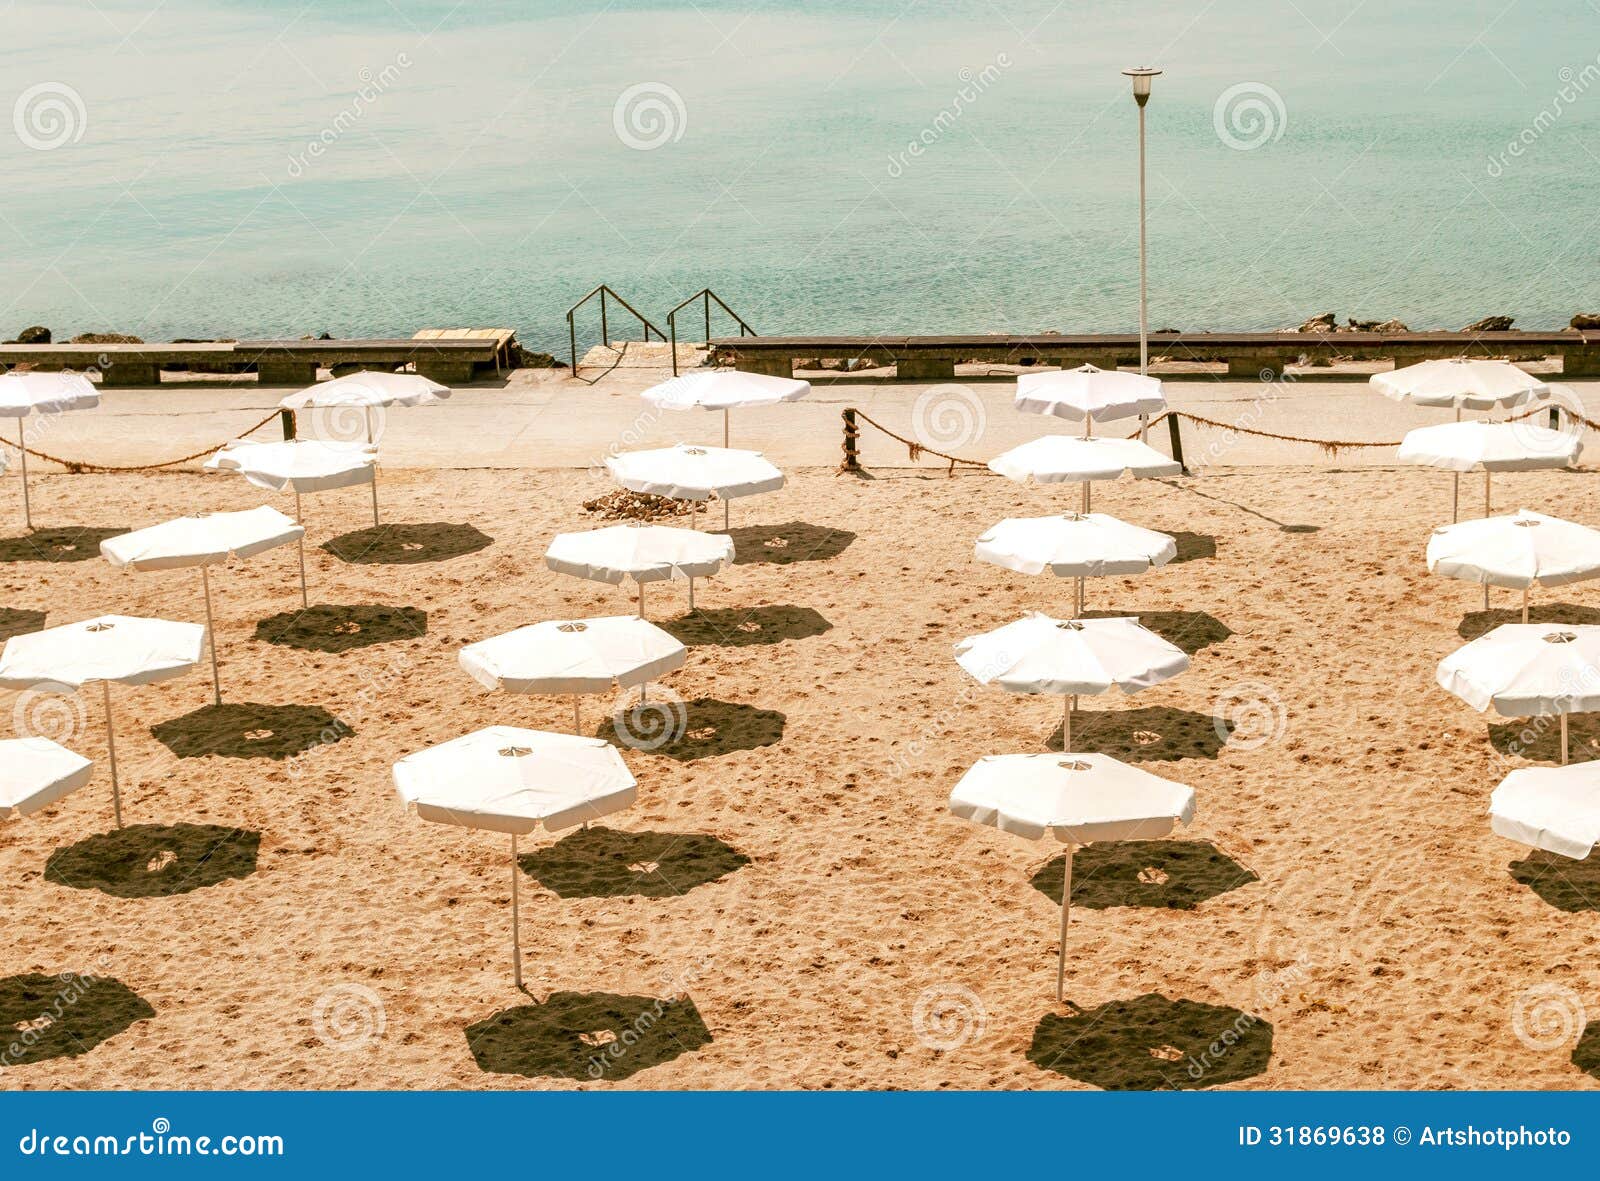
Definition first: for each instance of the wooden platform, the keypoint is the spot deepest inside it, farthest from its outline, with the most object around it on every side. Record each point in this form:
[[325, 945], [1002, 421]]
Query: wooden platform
[[1261, 355], [275, 362]]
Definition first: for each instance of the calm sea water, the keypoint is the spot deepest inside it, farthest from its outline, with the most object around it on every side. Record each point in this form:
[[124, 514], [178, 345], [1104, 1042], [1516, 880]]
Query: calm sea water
[[487, 163]]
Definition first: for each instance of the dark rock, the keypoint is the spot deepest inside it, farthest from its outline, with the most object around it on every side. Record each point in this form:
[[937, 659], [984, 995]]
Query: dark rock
[[1391, 326], [522, 358], [1323, 323], [35, 335], [1589, 321], [105, 338], [1491, 324]]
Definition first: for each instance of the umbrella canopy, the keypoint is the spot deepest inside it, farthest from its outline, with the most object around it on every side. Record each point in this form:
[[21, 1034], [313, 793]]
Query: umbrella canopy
[[574, 656], [1517, 551], [108, 648], [510, 780], [724, 389], [1079, 798], [369, 388], [1490, 447], [201, 540], [1075, 545], [298, 465], [1465, 383], [1039, 654], [35, 773], [204, 540], [1089, 394], [22, 394], [1526, 669], [644, 553], [1556, 809], [683, 472], [1063, 459]]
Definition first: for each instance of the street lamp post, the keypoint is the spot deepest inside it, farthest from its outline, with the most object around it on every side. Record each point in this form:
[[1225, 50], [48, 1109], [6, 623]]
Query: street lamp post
[[1142, 77]]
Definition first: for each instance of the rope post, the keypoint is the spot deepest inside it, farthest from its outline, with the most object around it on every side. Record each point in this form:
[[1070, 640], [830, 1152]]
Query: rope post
[[286, 421], [852, 441], [1176, 436]]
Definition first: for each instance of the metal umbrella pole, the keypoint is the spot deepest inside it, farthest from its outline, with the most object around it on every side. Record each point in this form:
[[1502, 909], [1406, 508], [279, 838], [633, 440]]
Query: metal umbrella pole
[[22, 450], [211, 635], [111, 746], [300, 544], [516, 933], [1066, 911], [374, 471]]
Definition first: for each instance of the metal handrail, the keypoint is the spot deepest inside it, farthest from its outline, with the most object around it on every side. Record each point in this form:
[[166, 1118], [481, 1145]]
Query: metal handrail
[[605, 336], [706, 295]]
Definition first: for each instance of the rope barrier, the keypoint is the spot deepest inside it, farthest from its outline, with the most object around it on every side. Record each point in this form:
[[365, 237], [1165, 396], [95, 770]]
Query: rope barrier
[[77, 465]]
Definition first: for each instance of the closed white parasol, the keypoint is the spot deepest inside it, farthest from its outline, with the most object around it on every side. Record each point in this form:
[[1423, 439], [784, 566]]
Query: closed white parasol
[[122, 648], [300, 466], [683, 472], [1556, 809], [1519, 551], [574, 657], [1526, 670], [205, 540], [35, 773], [22, 394], [1080, 798], [644, 553], [1038, 654], [1089, 394], [1064, 459], [724, 390], [1075, 545], [510, 780]]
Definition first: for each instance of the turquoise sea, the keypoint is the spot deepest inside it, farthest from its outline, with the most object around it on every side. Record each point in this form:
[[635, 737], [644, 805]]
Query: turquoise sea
[[368, 167]]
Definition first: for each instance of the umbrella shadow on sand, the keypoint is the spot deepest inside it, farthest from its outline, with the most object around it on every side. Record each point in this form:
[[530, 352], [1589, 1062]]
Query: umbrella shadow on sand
[[1188, 630], [65, 1015], [17, 621], [342, 627], [1146, 734], [250, 730], [71, 543], [601, 862], [1477, 623], [742, 627], [1192, 547], [588, 1036], [690, 730], [155, 860], [1539, 738], [1151, 1043], [407, 545], [1565, 884], [1172, 875], [1586, 1054], [783, 545]]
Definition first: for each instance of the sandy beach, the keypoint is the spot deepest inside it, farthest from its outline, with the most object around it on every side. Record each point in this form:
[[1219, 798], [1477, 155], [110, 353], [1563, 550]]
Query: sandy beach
[[791, 872]]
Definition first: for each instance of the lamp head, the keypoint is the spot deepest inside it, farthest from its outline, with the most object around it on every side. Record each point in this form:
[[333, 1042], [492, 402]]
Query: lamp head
[[1141, 76]]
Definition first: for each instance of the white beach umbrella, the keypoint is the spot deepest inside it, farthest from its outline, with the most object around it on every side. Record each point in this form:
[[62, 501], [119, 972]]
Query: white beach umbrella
[[122, 648], [1075, 545], [1517, 551], [683, 472], [1079, 798], [1064, 459], [724, 390], [204, 540], [510, 780], [1556, 809], [1525, 670], [300, 466], [1038, 654], [1089, 394], [22, 394], [644, 553], [35, 773], [575, 656], [1464, 383]]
